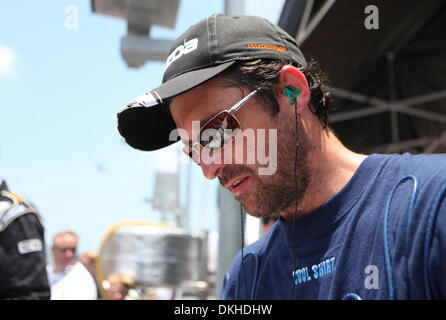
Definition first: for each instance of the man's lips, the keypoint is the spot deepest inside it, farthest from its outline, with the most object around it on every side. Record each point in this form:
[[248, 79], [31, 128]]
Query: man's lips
[[234, 183]]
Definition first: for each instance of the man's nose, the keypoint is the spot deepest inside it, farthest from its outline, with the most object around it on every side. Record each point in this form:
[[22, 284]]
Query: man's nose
[[211, 170], [212, 163], [70, 253]]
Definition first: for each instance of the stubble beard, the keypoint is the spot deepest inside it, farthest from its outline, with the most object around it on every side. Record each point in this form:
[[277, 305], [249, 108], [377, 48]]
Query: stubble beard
[[275, 193]]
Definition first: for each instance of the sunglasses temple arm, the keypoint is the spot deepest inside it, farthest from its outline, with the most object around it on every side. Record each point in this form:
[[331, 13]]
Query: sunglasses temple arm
[[241, 102]]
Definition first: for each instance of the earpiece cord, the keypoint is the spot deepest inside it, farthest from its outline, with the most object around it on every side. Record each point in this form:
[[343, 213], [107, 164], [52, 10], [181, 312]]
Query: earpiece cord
[[243, 244], [293, 245]]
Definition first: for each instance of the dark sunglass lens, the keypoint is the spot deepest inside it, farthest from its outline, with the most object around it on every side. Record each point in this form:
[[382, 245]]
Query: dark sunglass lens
[[67, 249], [216, 122], [216, 133]]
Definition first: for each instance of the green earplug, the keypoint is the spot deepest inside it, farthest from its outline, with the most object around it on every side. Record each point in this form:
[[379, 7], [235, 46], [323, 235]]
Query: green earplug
[[291, 92]]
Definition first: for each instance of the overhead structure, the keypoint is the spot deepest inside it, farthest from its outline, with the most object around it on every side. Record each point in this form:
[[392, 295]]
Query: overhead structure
[[389, 81], [137, 47]]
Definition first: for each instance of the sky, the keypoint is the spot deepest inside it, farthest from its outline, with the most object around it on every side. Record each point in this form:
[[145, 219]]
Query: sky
[[61, 85]]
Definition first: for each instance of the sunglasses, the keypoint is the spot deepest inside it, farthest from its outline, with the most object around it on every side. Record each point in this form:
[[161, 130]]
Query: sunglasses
[[217, 132], [66, 249]]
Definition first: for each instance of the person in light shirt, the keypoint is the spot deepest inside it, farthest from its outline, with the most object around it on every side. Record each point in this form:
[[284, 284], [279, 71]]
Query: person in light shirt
[[68, 278]]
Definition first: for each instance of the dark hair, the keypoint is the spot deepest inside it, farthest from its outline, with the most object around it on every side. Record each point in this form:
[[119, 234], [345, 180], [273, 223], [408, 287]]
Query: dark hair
[[264, 74]]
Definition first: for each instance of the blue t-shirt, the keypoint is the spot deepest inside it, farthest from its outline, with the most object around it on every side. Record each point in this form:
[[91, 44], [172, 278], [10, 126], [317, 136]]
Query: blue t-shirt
[[383, 236]]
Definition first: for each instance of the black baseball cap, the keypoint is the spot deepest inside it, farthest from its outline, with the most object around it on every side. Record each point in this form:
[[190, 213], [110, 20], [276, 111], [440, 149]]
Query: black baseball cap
[[205, 50]]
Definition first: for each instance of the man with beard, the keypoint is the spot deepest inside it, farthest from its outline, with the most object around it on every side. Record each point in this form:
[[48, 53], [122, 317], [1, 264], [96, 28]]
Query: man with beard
[[351, 226]]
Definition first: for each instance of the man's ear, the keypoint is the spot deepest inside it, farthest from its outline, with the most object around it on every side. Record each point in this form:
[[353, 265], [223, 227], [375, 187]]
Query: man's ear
[[292, 84]]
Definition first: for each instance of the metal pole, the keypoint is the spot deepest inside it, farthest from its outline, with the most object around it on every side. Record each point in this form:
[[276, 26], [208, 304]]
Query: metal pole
[[186, 211], [234, 7], [229, 234]]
